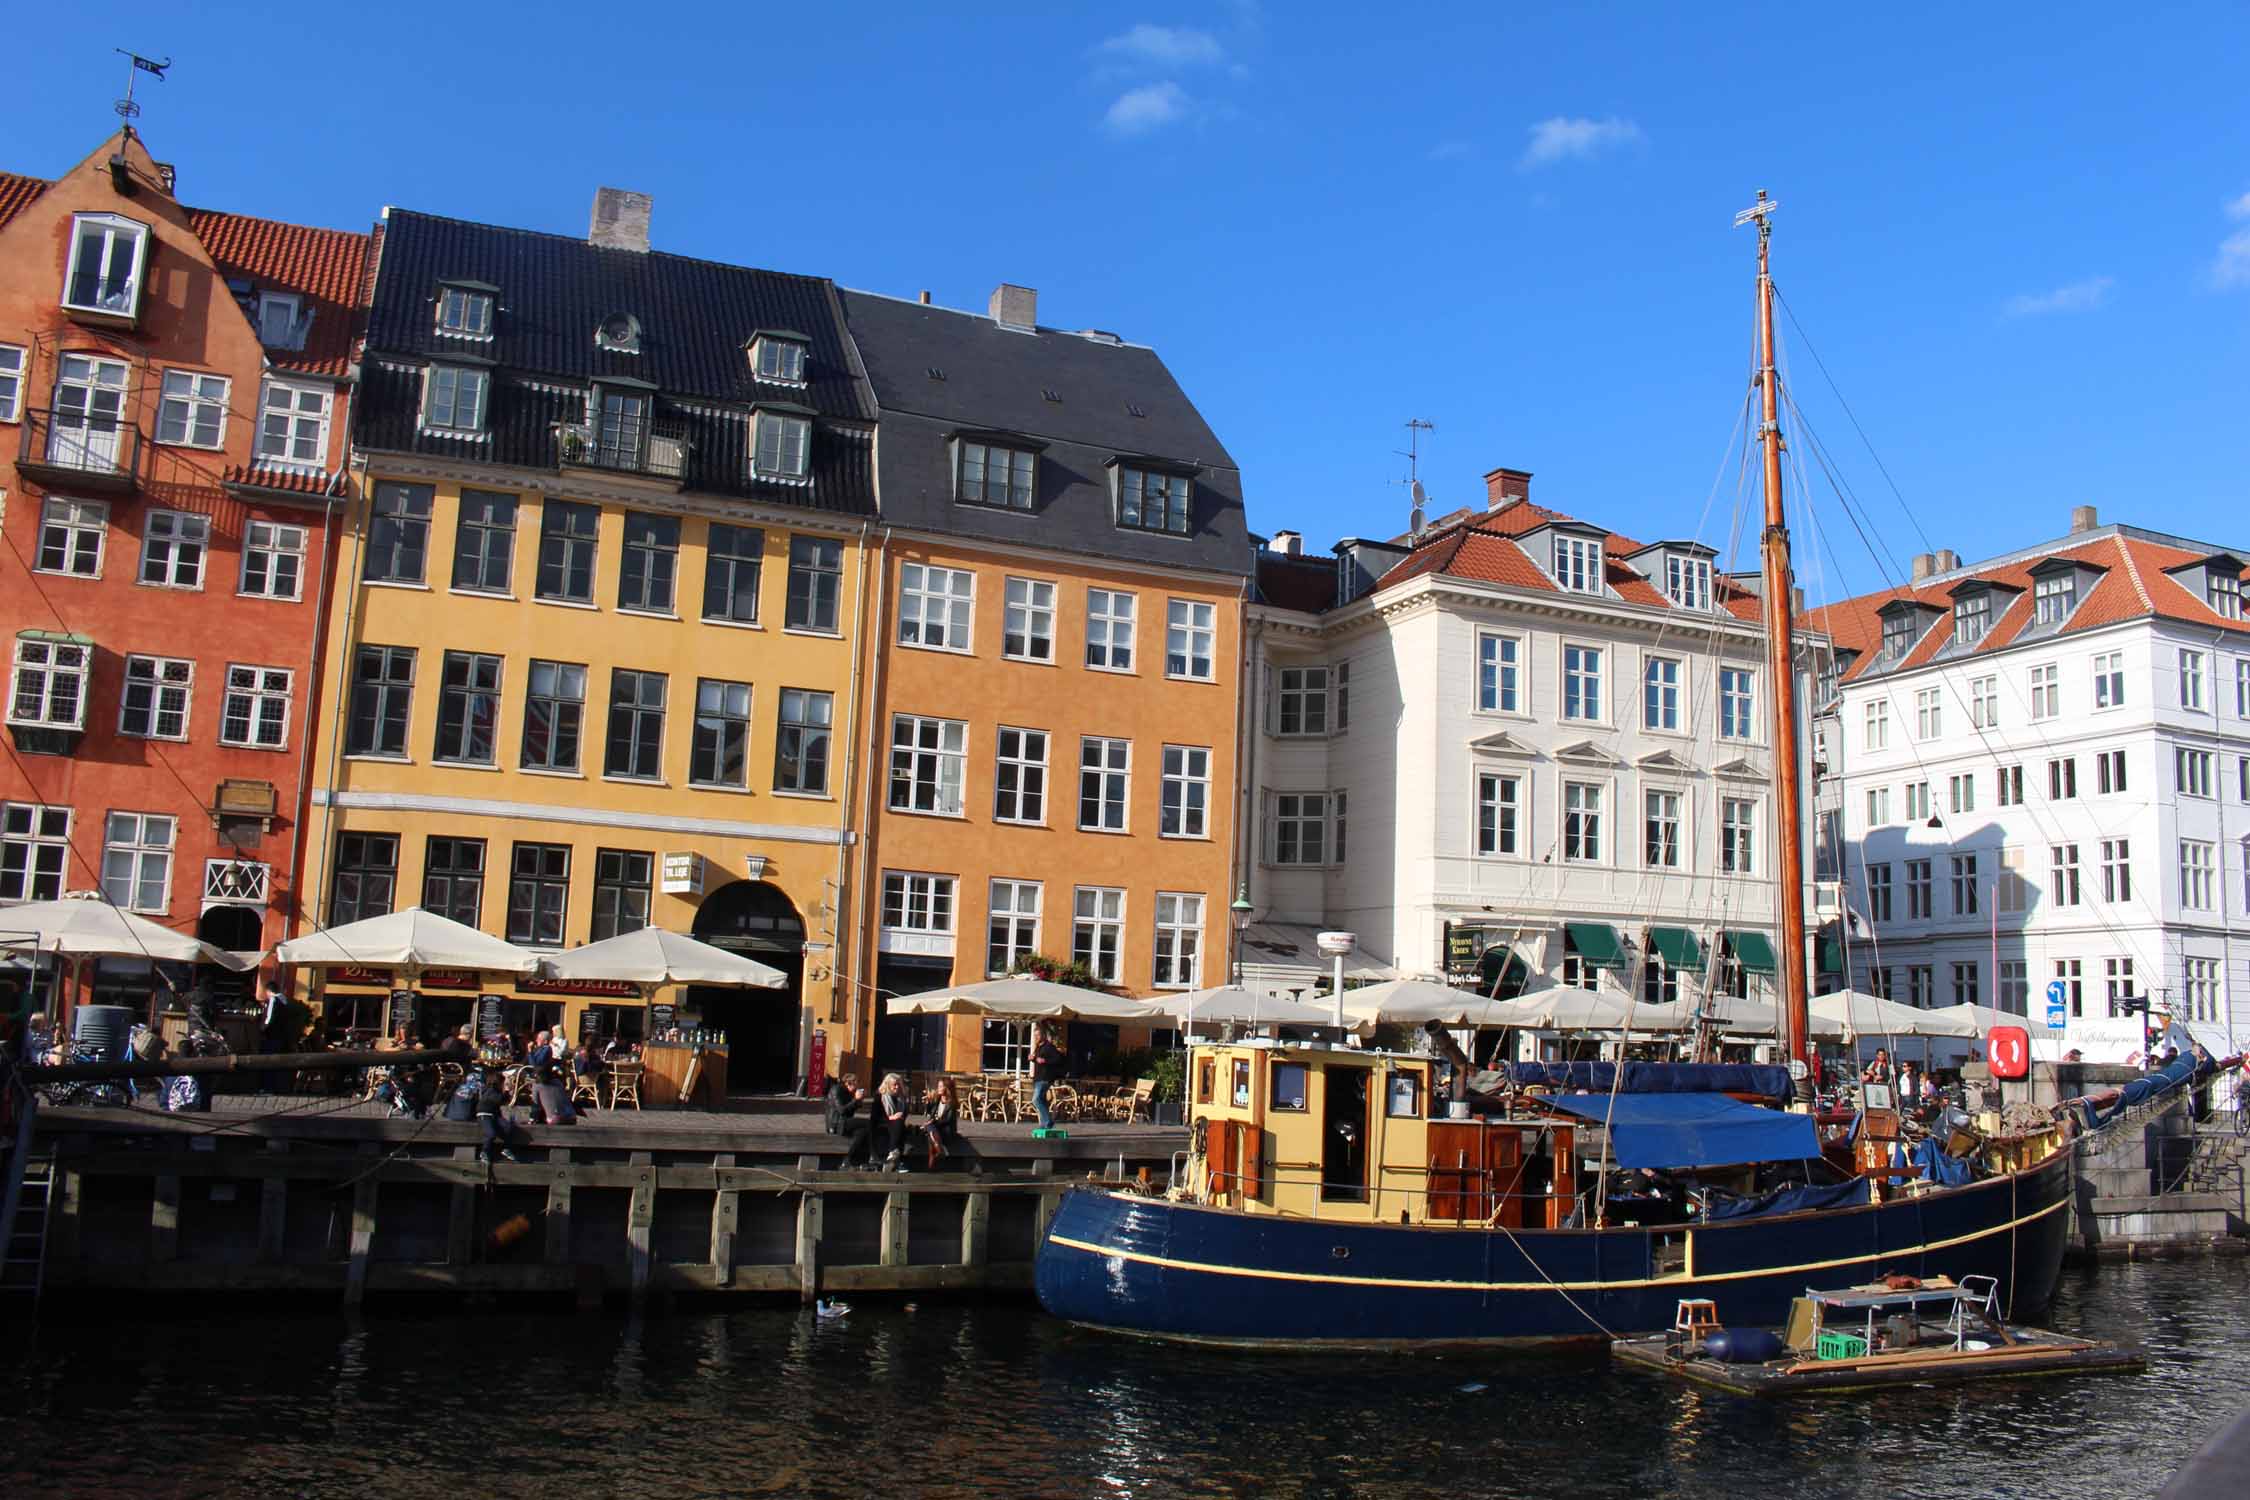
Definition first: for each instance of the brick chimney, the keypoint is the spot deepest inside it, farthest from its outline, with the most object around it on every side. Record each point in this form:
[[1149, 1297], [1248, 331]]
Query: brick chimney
[[1505, 487], [2084, 518], [1925, 563], [1287, 543], [620, 220], [1015, 306]]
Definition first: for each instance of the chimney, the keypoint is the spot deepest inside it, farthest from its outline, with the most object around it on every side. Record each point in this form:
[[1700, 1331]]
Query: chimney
[[1505, 487], [1015, 306], [1287, 543], [620, 220], [1925, 563], [2083, 518], [1797, 602], [925, 296], [1947, 560]]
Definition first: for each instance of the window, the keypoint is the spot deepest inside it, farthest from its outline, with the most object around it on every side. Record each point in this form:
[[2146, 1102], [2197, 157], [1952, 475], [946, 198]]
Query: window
[[1737, 695], [1917, 802], [779, 359], [398, 533], [1687, 581], [2072, 973], [1578, 564], [1879, 892], [2109, 680], [1006, 1047], [569, 537], [2053, 597], [1898, 633], [1109, 630], [1964, 872], [2046, 692], [88, 429], [137, 861], [1972, 616], [70, 537], [173, 546], [651, 563], [2242, 687], [720, 755], [1878, 806], [1287, 1087], [1879, 982], [2015, 986], [1097, 931], [106, 257], [553, 713], [732, 559], [538, 894], [782, 444], [934, 606], [1984, 703], [1738, 832], [366, 877], [800, 756], [816, 570], [2196, 859], [1190, 639], [273, 560], [1660, 693], [453, 879], [2117, 869], [2109, 771], [2191, 681], [1104, 769], [1919, 987], [2224, 591], [1499, 813], [2013, 892], [50, 683], [2194, 770], [1582, 683], [1499, 674], [992, 475], [453, 398], [1961, 790], [1661, 846], [1149, 501], [620, 428], [917, 903], [484, 542], [34, 851], [1918, 903], [927, 760], [192, 412], [2117, 975], [1011, 925], [155, 701], [2062, 779], [2062, 885], [468, 709], [278, 325], [2009, 781], [11, 382], [293, 425], [1302, 701], [1582, 821], [1027, 628], [2200, 977], [464, 311], [1179, 940], [382, 695], [1965, 984], [636, 725], [1019, 778], [1929, 714], [1187, 792], [623, 879], [256, 712], [1300, 828], [1878, 735]]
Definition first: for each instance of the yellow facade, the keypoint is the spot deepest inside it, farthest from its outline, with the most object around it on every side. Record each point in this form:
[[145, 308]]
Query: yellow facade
[[719, 832]]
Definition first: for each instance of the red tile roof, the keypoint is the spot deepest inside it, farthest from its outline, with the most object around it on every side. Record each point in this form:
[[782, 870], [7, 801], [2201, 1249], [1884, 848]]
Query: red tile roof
[[15, 193]]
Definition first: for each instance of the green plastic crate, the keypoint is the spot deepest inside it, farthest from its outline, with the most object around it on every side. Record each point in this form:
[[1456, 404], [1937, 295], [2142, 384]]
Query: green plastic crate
[[1836, 1344]]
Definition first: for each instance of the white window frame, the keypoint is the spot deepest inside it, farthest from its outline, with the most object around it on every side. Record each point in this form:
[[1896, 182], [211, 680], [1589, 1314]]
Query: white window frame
[[34, 851], [2223, 592], [1013, 904], [49, 662], [1961, 876], [1178, 949], [2046, 691], [188, 399], [15, 362], [2192, 771], [2109, 772], [1921, 889], [115, 228], [1738, 835], [946, 763], [2013, 993], [178, 544], [1578, 564], [1005, 478], [1582, 687], [261, 690], [1663, 686], [157, 688], [1687, 581], [1929, 714], [1917, 801], [1876, 726], [2053, 598], [2191, 680], [1877, 883], [781, 361], [2199, 980], [1304, 690], [1014, 747], [2117, 869], [927, 908], [464, 312], [1111, 617], [290, 307], [1299, 827], [1878, 806], [1961, 792], [1738, 703], [1672, 818], [1109, 760], [443, 389], [1500, 794], [936, 607], [1190, 624], [2064, 887], [781, 447], [1184, 808], [2198, 859], [276, 542], [285, 424], [2007, 784], [77, 525], [1972, 618], [1582, 842], [146, 844], [1097, 931], [1500, 679], [2117, 980], [2109, 679], [1966, 979], [1028, 611], [1984, 703]]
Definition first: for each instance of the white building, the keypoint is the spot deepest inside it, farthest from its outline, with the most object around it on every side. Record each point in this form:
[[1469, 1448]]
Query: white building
[[1520, 733], [2041, 763]]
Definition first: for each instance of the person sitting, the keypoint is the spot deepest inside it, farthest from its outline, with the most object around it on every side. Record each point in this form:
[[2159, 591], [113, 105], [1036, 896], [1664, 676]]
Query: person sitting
[[38, 1039], [843, 1099], [890, 1112], [550, 1100], [479, 1098], [588, 1063], [184, 1093], [1878, 1071], [943, 1128]]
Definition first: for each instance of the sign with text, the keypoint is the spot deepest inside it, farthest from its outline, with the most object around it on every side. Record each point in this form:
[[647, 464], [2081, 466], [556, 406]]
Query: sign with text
[[611, 989], [684, 874], [402, 1011], [382, 979], [816, 1070], [492, 1020]]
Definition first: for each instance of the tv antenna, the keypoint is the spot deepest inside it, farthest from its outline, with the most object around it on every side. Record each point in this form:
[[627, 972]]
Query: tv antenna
[[1412, 453], [126, 107]]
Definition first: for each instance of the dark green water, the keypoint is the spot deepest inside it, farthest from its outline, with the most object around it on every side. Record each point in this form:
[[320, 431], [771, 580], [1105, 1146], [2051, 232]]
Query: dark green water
[[939, 1400]]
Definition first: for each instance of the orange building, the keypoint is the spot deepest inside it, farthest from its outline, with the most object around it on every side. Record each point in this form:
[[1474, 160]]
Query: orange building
[[1055, 674]]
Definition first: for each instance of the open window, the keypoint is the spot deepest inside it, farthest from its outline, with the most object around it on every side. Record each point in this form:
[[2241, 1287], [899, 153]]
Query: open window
[[108, 263]]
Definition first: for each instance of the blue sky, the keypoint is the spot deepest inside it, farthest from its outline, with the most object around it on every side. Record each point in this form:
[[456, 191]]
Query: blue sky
[[2019, 237]]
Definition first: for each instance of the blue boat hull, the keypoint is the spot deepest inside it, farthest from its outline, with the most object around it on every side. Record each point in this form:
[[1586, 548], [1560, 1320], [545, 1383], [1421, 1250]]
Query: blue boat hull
[[1149, 1266]]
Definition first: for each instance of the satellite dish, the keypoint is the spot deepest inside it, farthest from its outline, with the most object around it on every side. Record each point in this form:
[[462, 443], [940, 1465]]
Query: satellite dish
[[1414, 522]]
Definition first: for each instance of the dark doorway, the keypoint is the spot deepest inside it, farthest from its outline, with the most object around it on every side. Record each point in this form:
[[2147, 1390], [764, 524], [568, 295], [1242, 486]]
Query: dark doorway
[[237, 929], [907, 1044], [1092, 1046], [1344, 1121], [756, 920]]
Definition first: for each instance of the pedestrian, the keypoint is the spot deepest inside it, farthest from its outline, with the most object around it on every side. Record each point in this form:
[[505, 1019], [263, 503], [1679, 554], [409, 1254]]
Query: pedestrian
[[273, 1027], [891, 1109], [1046, 1067]]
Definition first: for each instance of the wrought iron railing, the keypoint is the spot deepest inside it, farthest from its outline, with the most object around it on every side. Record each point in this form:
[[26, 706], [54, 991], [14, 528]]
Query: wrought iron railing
[[655, 448], [86, 447]]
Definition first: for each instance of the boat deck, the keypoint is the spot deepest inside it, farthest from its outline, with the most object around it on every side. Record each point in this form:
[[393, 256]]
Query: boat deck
[[2035, 1352]]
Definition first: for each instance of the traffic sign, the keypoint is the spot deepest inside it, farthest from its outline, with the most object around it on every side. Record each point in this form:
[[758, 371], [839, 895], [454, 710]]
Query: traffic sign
[[2058, 1003]]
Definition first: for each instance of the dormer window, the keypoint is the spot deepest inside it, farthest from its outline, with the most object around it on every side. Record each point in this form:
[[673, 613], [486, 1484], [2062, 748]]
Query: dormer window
[[282, 323], [453, 398], [1151, 500], [619, 333], [1898, 633], [1578, 564], [2053, 598], [1687, 581], [1972, 616], [465, 311], [2224, 592], [778, 358], [784, 443], [993, 474], [108, 255]]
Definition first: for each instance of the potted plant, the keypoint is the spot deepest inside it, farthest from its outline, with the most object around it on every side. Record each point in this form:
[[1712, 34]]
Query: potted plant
[[1169, 1070], [573, 445]]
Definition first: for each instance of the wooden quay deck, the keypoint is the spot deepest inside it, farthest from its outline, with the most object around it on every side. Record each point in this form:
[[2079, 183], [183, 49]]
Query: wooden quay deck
[[330, 1197]]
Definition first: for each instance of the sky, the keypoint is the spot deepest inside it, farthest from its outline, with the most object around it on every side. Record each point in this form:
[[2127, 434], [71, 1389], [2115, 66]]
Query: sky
[[2015, 237]]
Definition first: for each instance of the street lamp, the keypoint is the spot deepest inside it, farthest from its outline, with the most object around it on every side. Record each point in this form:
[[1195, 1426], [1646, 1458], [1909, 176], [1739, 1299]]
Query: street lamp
[[1242, 911]]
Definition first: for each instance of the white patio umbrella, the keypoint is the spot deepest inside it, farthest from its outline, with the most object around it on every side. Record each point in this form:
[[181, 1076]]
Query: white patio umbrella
[[1243, 1007], [84, 925], [410, 941], [651, 956], [1861, 1014], [1023, 998], [1980, 1019], [1414, 1002], [1563, 1007]]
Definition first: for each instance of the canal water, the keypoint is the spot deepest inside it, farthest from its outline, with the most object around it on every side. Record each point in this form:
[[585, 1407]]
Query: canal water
[[933, 1400]]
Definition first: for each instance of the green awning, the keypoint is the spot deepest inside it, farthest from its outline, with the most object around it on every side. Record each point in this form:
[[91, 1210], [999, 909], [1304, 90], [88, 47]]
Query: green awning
[[1502, 974], [1677, 947], [1831, 955], [1597, 943], [1753, 950], [56, 637]]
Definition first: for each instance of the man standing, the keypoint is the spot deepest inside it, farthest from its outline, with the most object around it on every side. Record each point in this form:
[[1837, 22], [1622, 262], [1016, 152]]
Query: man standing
[[273, 1029]]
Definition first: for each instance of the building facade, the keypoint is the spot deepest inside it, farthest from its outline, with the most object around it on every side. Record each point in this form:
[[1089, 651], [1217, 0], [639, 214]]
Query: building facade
[[2041, 765], [173, 399]]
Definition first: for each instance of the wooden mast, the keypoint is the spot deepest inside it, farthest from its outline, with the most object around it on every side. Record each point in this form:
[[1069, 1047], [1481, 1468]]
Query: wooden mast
[[1781, 678]]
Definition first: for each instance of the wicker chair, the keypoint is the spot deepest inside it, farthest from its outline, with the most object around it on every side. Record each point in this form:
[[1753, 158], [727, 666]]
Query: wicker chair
[[585, 1088], [624, 1084]]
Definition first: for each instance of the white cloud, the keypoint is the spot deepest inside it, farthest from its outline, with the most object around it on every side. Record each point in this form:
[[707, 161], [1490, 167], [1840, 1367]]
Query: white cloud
[[2232, 268], [2078, 296], [1165, 46], [1150, 107], [1562, 139]]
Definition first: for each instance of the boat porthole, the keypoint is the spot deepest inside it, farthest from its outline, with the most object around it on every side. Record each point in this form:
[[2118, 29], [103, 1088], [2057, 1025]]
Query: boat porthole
[[1340, 1252]]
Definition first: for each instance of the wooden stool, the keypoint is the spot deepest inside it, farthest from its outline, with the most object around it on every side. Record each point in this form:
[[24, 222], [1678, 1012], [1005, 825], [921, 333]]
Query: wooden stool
[[1695, 1319]]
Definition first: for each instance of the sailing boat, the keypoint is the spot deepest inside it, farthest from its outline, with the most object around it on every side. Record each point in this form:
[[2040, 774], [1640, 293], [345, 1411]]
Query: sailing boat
[[1327, 1197]]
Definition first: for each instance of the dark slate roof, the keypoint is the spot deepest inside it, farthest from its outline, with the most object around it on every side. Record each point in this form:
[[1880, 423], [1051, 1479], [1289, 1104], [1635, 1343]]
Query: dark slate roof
[[1292, 582], [997, 380]]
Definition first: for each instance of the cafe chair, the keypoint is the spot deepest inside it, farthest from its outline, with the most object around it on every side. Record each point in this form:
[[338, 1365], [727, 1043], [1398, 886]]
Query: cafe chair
[[585, 1088], [624, 1084], [1135, 1103]]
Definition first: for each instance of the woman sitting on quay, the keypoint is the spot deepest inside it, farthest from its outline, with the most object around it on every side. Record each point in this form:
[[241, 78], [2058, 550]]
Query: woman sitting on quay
[[891, 1110], [943, 1128]]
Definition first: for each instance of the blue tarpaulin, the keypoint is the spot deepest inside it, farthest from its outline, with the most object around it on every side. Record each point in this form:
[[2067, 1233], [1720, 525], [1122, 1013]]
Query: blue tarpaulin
[[1763, 1079], [1664, 1131], [1789, 1200], [1936, 1166]]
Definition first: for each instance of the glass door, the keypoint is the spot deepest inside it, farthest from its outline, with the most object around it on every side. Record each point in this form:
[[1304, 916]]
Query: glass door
[[89, 403]]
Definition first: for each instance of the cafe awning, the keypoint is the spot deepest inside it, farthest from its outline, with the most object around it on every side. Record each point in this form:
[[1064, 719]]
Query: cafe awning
[[1597, 943], [1753, 950], [1677, 947]]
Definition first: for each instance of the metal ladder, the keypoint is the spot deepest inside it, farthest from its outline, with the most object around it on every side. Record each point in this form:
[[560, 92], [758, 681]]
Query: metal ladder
[[24, 1202]]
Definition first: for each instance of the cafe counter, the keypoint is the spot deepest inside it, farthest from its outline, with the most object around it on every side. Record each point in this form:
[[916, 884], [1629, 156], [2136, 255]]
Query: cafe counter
[[676, 1073]]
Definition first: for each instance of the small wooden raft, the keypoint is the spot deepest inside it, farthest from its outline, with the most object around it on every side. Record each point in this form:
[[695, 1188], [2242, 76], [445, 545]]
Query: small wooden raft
[[2036, 1352]]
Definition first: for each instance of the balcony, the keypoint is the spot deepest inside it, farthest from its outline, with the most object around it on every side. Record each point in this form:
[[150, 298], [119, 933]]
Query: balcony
[[77, 451], [656, 451]]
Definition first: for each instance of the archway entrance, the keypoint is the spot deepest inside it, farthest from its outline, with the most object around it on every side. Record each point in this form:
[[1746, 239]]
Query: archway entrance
[[756, 920], [237, 929]]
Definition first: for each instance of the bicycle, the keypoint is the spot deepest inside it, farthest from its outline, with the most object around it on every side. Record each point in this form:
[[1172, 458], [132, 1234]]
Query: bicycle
[[2242, 1105]]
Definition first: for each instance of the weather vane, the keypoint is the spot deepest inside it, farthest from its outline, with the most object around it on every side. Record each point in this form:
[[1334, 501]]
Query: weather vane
[[125, 106]]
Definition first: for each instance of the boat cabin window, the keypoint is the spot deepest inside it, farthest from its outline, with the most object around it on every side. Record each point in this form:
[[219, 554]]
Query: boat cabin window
[[1289, 1086], [1404, 1096], [1242, 1082], [1205, 1072]]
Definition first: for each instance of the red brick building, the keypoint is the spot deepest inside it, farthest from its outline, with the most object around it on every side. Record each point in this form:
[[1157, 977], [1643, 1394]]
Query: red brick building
[[173, 425]]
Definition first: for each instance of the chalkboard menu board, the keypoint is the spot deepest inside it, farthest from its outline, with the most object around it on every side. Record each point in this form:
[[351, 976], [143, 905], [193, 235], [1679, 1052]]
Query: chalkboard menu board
[[589, 1023], [659, 1020], [491, 1023], [402, 1012]]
